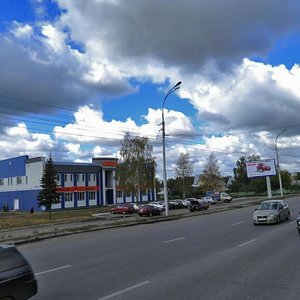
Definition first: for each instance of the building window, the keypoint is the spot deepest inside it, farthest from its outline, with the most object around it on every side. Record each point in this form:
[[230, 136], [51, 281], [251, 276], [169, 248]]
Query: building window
[[77, 177], [1, 181], [119, 194], [80, 196], [82, 177], [143, 193], [68, 197], [92, 177], [92, 196], [58, 178], [19, 180], [26, 179], [65, 177], [71, 177], [127, 193]]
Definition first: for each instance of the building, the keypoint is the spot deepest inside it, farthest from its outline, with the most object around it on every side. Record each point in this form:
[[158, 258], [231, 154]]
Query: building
[[80, 184]]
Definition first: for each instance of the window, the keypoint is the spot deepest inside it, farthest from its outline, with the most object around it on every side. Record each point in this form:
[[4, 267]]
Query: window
[[92, 196], [119, 194], [65, 177], [82, 177], [81, 196], [68, 197], [71, 177], [143, 193], [1, 181], [127, 193], [92, 177], [19, 180], [58, 178]]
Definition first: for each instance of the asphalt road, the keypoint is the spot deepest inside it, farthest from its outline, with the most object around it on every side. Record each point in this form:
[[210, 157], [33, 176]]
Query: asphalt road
[[215, 256]]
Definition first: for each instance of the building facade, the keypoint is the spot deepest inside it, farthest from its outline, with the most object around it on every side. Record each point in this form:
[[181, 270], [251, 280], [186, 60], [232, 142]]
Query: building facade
[[80, 184]]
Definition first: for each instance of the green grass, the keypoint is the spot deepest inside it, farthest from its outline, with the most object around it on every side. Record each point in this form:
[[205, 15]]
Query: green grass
[[10, 220]]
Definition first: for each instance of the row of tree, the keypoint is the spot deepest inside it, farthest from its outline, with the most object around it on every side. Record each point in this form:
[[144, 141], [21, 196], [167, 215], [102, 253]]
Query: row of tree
[[137, 169]]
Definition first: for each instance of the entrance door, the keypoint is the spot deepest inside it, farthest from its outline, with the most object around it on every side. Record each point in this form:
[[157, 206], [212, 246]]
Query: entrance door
[[109, 196], [16, 204]]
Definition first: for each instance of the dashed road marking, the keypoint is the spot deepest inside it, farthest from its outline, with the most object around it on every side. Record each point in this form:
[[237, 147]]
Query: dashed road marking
[[124, 291], [249, 242], [53, 270], [174, 240]]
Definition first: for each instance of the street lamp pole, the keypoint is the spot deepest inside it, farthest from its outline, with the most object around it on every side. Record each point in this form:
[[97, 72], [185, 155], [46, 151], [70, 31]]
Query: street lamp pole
[[277, 158], [173, 89]]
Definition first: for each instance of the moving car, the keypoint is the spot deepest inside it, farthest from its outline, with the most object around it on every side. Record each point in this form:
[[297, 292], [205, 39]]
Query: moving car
[[270, 212], [149, 210], [17, 280], [197, 205], [209, 200], [122, 209], [298, 224]]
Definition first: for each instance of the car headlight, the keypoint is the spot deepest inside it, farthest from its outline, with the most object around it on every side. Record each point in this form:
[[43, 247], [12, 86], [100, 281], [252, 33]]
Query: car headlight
[[298, 222]]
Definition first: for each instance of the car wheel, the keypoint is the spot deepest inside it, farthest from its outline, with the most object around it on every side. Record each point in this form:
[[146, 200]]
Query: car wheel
[[209, 202], [278, 220], [150, 214]]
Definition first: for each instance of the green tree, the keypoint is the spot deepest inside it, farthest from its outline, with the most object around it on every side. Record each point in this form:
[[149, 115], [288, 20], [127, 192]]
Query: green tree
[[49, 184], [136, 168], [210, 179], [184, 167], [242, 182]]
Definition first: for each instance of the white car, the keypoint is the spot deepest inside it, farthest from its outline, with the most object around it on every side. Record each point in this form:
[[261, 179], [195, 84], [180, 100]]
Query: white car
[[157, 205], [209, 200]]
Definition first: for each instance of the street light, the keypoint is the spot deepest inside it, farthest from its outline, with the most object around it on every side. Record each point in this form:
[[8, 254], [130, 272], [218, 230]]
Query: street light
[[277, 158], [173, 89]]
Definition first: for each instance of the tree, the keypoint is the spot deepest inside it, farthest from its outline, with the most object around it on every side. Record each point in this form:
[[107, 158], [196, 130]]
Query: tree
[[49, 184], [184, 167], [136, 168], [210, 179], [240, 173]]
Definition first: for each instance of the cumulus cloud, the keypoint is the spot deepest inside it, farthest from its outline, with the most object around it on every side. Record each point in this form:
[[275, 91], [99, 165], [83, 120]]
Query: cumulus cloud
[[94, 50]]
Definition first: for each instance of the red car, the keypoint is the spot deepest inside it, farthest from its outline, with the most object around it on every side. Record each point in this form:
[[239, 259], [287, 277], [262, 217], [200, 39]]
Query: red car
[[149, 210], [262, 167], [122, 209]]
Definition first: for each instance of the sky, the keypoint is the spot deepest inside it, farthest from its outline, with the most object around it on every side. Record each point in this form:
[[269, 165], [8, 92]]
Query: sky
[[76, 75]]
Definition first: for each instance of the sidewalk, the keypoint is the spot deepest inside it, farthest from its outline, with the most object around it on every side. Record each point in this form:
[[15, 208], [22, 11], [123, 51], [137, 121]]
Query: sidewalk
[[107, 220]]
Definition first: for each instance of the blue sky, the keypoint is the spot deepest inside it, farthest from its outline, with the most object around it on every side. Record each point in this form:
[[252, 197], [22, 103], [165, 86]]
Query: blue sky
[[77, 75]]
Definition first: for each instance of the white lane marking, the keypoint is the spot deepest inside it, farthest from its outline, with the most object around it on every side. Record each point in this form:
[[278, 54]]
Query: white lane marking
[[244, 244], [125, 290], [174, 240], [238, 223], [52, 270]]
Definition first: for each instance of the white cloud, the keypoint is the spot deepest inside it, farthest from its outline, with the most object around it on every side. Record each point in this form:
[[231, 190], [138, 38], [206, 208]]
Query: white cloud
[[22, 30]]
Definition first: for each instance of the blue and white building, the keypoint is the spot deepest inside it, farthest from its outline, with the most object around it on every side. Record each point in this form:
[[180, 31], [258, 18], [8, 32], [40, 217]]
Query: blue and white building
[[80, 184]]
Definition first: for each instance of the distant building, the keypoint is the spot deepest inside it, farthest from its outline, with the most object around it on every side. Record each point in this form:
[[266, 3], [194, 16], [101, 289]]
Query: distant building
[[81, 184], [221, 185]]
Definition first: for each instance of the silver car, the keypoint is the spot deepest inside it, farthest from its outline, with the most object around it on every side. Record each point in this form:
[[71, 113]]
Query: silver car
[[270, 212]]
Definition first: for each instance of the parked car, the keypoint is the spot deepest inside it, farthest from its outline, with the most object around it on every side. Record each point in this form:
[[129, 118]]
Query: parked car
[[149, 210], [122, 209], [157, 204], [209, 200], [270, 212], [135, 206], [197, 205], [174, 204], [17, 280]]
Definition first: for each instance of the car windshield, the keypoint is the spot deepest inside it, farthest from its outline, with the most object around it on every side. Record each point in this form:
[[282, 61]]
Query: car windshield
[[269, 206]]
